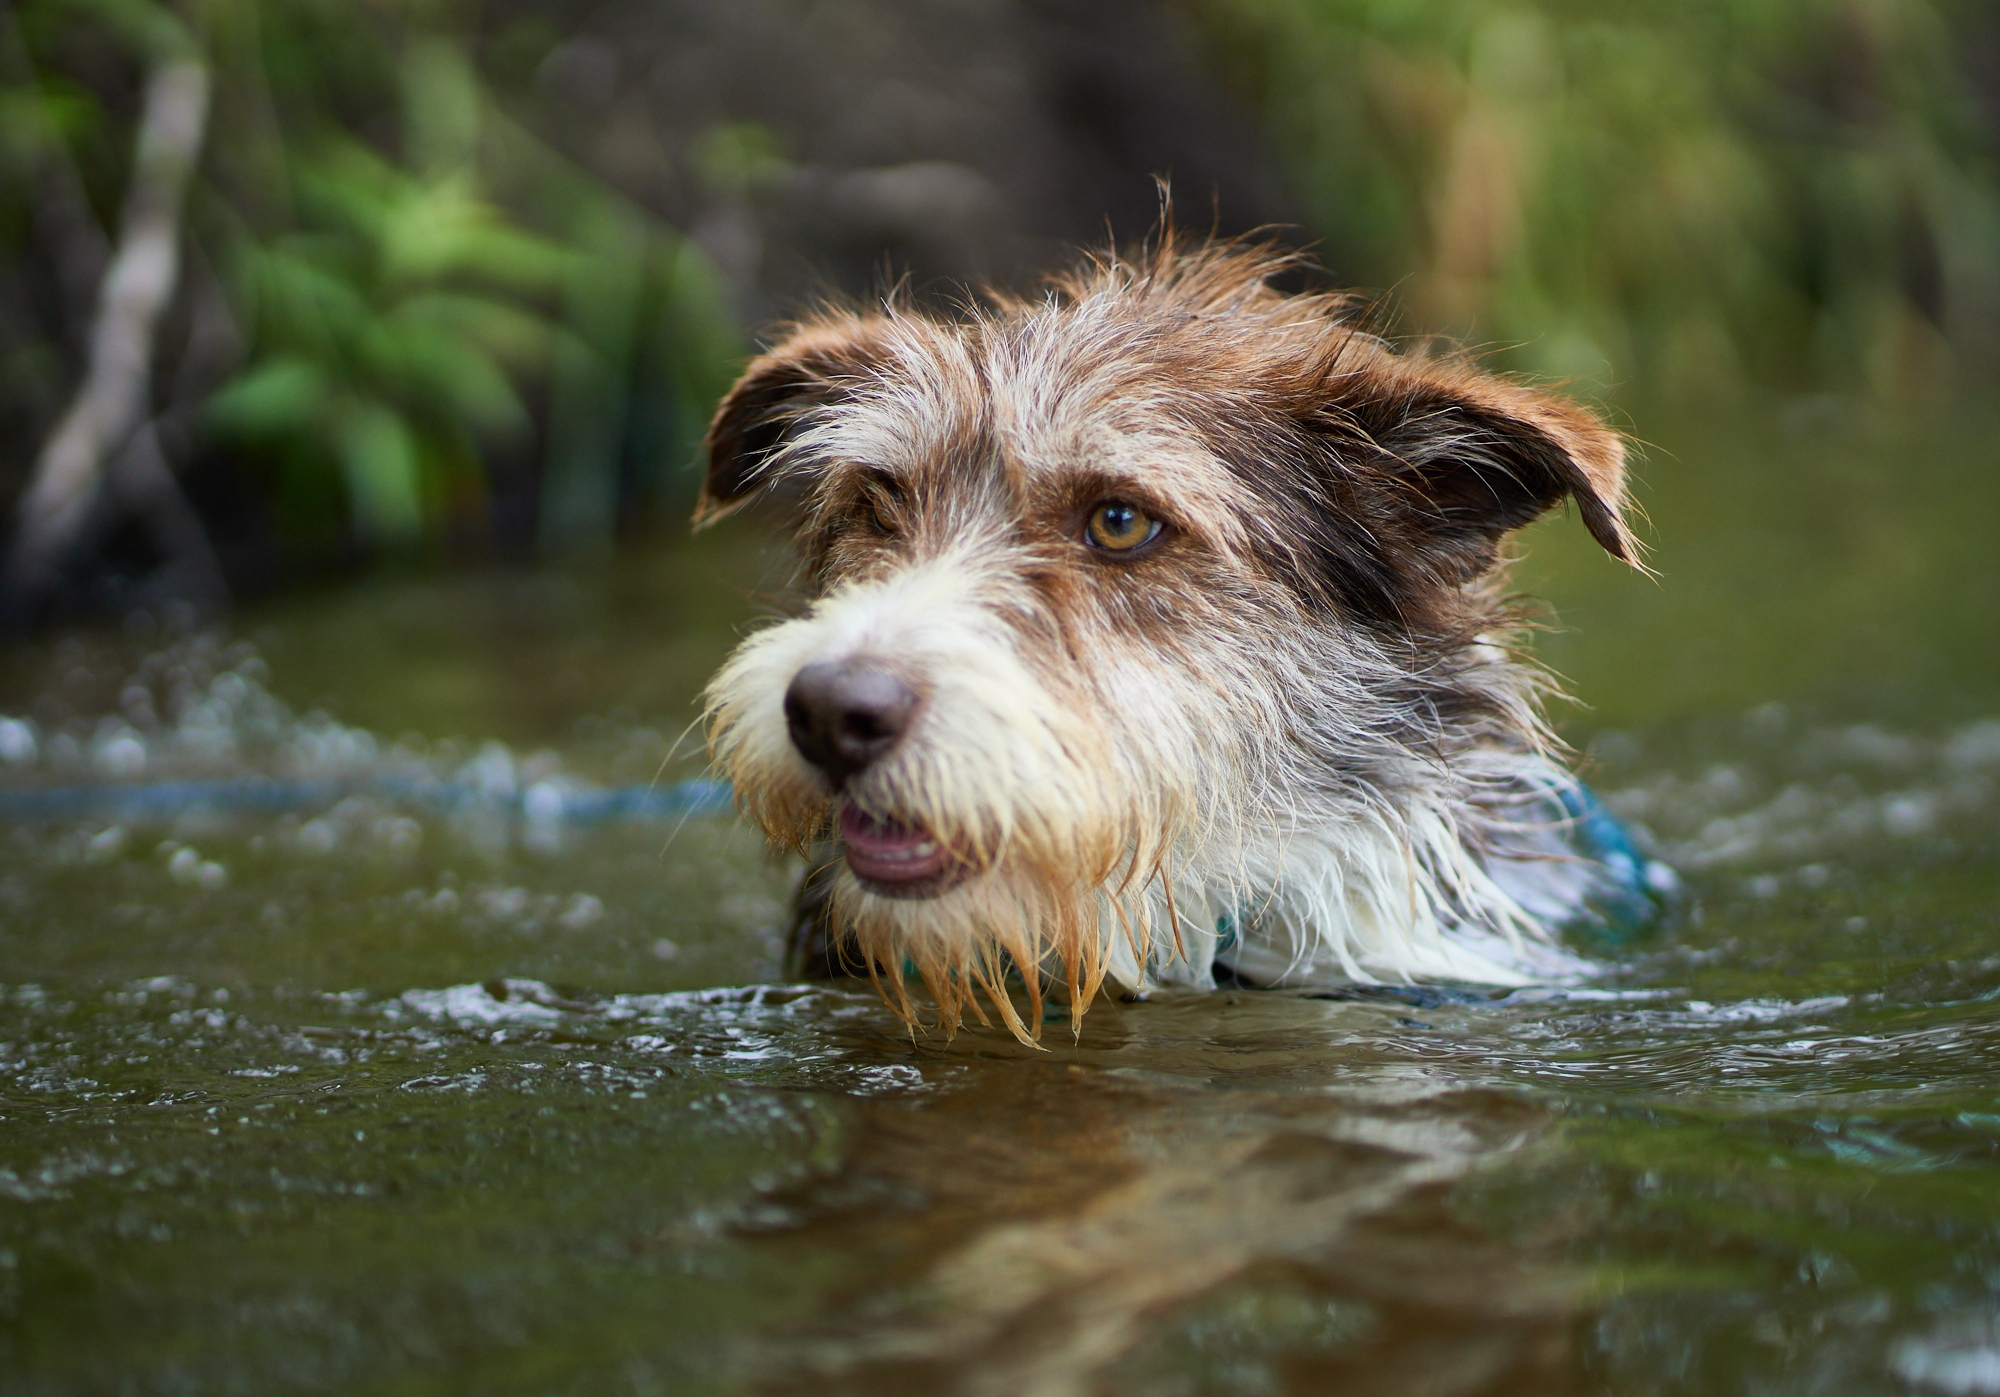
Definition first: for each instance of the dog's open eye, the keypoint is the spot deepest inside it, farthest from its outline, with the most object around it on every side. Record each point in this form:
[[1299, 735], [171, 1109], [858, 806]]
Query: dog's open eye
[[1117, 527]]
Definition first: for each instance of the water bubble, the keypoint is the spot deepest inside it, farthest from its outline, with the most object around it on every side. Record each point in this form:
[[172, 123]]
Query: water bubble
[[543, 804], [583, 910], [1869, 743], [503, 903], [398, 834], [118, 750], [1911, 814], [137, 701], [1767, 721], [542, 808], [1975, 746], [17, 741], [1724, 785], [319, 836], [491, 773]]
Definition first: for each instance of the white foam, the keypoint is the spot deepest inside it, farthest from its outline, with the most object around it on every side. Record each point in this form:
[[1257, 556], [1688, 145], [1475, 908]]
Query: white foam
[[1961, 1359], [474, 1004], [1762, 1010]]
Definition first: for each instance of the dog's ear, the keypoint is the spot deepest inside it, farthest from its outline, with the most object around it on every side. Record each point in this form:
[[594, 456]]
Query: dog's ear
[[1473, 457], [811, 367]]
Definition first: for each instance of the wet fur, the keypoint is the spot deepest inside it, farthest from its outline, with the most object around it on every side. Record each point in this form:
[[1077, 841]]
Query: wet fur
[[1295, 720]]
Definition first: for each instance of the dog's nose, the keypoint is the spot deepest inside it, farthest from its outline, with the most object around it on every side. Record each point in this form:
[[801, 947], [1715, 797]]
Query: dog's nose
[[844, 715]]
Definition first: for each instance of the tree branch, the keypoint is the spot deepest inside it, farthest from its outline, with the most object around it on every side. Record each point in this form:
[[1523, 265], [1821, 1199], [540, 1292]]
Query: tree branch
[[113, 400]]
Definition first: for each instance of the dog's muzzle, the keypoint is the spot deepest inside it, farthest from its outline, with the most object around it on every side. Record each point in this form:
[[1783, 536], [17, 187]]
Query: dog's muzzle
[[844, 716]]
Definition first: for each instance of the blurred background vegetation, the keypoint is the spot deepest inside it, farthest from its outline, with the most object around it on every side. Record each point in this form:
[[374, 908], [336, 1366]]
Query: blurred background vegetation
[[455, 281], [1689, 200]]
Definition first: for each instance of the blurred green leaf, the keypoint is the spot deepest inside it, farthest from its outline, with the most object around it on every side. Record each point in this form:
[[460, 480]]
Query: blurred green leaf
[[279, 396], [441, 103], [307, 304], [431, 364], [383, 466], [34, 117], [514, 336], [444, 230]]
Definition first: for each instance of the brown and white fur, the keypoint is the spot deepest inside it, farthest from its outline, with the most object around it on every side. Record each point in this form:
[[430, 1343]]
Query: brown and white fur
[[1284, 738]]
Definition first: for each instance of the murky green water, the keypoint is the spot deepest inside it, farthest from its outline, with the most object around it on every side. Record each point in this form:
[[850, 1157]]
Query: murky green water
[[394, 1095]]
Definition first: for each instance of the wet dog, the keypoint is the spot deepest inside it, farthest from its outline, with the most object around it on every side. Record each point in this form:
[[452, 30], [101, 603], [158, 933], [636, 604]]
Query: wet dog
[[1154, 634]]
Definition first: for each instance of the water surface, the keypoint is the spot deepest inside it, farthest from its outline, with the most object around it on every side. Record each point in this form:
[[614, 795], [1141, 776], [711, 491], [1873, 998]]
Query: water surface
[[390, 1092]]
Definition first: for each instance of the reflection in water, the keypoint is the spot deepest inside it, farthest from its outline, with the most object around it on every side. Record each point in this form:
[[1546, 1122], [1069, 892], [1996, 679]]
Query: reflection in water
[[1046, 1227]]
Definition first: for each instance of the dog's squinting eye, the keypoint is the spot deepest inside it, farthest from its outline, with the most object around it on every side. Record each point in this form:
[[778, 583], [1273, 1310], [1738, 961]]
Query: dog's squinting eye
[[1116, 527], [879, 498]]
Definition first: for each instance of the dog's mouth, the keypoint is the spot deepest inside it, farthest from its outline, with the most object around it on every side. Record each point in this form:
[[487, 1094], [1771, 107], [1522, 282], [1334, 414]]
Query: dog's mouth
[[896, 860]]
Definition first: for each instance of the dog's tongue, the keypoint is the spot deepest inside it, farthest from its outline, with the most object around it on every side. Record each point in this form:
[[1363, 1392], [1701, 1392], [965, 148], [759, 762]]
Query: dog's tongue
[[884, 852]]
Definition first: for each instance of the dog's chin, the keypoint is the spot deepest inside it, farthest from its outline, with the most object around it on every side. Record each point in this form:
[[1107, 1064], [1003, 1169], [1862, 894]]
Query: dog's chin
[[899, 861]]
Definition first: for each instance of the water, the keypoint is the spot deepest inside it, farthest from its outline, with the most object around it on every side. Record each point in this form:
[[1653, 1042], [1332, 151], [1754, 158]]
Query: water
[[390, 1093]]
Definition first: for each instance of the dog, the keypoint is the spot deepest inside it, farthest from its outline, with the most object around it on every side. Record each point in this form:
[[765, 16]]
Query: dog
[[1154, 634]]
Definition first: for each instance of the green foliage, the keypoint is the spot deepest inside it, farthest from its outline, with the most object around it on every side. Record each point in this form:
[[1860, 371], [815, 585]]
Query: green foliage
[[423, 292], [389, 333], [1791, 194], [414, 303]]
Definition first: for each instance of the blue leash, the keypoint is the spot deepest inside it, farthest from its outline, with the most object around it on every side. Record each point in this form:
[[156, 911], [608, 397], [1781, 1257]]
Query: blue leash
[[265, 796], [1637, 890]]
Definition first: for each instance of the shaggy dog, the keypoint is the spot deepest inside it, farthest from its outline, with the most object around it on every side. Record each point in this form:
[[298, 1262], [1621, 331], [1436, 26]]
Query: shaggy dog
[[1155, 635]]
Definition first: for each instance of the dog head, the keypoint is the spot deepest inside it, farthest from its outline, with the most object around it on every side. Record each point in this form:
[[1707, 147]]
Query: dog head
[[1111, 588]]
